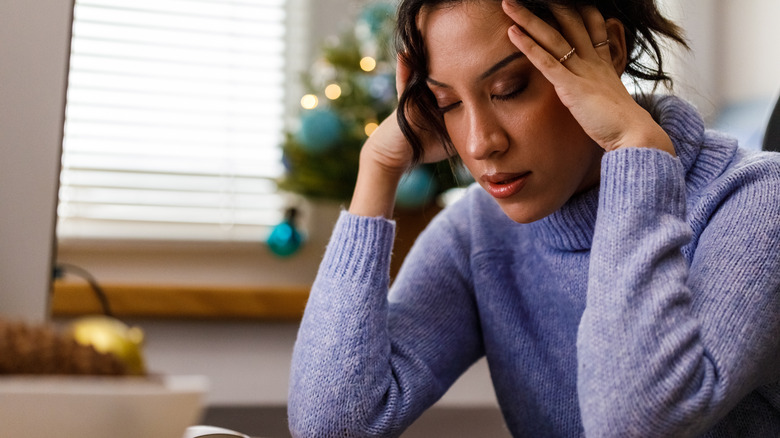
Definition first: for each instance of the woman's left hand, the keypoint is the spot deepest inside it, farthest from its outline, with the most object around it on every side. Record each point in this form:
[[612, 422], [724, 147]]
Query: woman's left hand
[[587, 78]]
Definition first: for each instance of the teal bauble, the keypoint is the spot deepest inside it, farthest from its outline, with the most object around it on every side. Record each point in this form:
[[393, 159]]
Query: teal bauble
[[416, 189], [321, 129], [377, 16], [285, 239], [382, 87]]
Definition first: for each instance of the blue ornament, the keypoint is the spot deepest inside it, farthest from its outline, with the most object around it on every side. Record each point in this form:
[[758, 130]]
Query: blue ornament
[[320, 130], [286, 161], [416, 188], [382, 87], [285, 239], [376, 16]]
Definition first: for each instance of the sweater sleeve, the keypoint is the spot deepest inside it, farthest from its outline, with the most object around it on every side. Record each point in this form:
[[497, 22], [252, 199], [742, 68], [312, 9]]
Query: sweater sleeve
[[364, 365], [664, 348]]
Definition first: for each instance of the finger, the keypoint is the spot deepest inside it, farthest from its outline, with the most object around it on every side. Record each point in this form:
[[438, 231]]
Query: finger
[[574, 30], [597, 29], [539, 30], [550, 66]]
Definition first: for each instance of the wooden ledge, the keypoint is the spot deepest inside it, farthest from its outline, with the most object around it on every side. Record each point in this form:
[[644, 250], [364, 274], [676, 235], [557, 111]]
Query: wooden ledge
[[182, 302]]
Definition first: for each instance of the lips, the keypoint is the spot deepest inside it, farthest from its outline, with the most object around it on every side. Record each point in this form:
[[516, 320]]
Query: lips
[[504, 185]]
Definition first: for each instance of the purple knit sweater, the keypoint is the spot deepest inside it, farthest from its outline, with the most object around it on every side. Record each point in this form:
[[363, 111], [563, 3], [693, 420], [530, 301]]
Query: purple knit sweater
[[649, 306]]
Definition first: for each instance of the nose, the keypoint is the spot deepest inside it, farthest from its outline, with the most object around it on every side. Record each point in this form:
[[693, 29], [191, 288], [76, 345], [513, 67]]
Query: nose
[[486, 137]]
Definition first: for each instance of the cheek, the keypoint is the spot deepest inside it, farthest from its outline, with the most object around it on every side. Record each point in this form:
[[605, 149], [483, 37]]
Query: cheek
[[541, 121], [545, 113], [545, 119], [457, 130]]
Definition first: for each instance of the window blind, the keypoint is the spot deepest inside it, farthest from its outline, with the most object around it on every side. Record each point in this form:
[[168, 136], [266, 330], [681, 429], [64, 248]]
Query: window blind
[[174, 117]]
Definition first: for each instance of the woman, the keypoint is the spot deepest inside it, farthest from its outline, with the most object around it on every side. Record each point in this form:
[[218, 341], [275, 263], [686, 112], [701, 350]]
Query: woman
[[616, 263]]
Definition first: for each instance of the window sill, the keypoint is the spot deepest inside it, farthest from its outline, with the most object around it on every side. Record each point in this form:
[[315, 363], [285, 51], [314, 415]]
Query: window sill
[[182, 302], [243, 281]]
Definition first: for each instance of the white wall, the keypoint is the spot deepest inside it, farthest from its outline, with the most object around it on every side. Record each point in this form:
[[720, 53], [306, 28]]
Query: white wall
[[695, 72], [749, 34], [733, 57], [34, 47]]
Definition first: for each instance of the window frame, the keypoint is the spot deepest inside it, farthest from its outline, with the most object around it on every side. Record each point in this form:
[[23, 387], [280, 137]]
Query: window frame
[[224, 274], [249, 197]]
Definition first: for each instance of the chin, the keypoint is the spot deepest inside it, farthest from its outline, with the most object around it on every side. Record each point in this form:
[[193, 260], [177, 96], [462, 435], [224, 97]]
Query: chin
[[524, 214]]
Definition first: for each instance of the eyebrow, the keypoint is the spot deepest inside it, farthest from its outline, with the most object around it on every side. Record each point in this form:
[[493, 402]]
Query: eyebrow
[[496, 67]]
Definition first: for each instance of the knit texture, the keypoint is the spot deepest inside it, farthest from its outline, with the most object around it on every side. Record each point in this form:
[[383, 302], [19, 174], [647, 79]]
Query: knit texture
[[648, 306]]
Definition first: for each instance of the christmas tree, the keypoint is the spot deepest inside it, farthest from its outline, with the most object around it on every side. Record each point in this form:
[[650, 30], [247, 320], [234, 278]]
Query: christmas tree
[[350, 90]]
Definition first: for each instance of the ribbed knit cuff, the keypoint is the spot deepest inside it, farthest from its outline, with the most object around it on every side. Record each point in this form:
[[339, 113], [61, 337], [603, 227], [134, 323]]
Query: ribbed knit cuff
[[359, 246], [644, 179]]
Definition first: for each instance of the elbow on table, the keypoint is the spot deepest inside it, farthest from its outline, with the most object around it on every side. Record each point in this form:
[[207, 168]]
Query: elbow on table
[[318, 417], [312, 426], [310, 420], [329, 423], [638, 414]]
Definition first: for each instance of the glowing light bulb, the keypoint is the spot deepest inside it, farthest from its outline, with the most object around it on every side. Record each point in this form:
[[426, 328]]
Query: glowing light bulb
[[370, 128], [368, 63], [309, 101], [333, 91]]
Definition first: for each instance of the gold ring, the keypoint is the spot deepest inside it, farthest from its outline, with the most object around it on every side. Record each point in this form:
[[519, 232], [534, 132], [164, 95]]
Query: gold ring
[[568, 55], [603, 43]]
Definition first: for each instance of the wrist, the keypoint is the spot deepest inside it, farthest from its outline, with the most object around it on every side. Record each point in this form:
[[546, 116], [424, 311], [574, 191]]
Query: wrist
[[376, 186], [646, 134]]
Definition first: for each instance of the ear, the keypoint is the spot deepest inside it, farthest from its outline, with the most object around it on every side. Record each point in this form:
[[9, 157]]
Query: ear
[[617, 44]]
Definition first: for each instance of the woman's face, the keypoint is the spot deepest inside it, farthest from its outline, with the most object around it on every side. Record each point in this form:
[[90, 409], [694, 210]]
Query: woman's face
[[505, 120]]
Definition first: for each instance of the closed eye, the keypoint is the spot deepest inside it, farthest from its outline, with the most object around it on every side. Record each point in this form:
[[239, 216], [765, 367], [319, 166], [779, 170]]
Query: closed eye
[[510, 95], [446, 108]]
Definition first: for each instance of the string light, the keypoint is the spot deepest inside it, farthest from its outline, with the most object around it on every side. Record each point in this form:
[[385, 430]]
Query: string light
[[370, 128], [333, 91], [309, 101], [368, 63]]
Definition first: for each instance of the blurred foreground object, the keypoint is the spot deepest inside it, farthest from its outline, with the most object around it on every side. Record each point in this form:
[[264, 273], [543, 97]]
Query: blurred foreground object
[[110, 336], [100, 406], [40, 349]]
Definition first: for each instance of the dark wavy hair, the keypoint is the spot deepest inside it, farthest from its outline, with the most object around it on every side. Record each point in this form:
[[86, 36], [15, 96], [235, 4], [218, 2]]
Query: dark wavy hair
[[644, 25]]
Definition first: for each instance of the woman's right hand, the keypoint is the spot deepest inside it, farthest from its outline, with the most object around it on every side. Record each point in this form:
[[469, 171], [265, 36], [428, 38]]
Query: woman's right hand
[[384, 158]]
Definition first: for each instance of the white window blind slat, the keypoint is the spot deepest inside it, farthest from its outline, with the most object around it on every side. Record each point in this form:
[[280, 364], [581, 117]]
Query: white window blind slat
[[171, 37], [82, 152], [95, 116], [194, 183], [86, 87], [84, 100], [107, 49], [209, 16], [174, 118], [171, 166], [154, 68], [162, 198]]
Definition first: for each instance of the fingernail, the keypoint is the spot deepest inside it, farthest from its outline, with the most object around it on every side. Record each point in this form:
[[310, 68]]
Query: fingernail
[[515, 29]]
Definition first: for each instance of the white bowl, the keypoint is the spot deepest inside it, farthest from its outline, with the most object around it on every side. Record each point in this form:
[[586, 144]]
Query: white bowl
[[100, 407]]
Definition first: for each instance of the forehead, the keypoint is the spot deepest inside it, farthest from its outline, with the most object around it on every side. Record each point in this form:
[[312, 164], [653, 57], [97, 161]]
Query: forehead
[[465, 33]]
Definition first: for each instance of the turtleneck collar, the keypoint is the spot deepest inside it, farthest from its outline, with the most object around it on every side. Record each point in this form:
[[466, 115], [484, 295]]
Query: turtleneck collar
[[571, 227], [684, 125]]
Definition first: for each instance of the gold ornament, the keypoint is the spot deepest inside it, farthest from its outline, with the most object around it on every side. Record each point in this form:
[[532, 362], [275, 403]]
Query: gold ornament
[[111, 336]]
